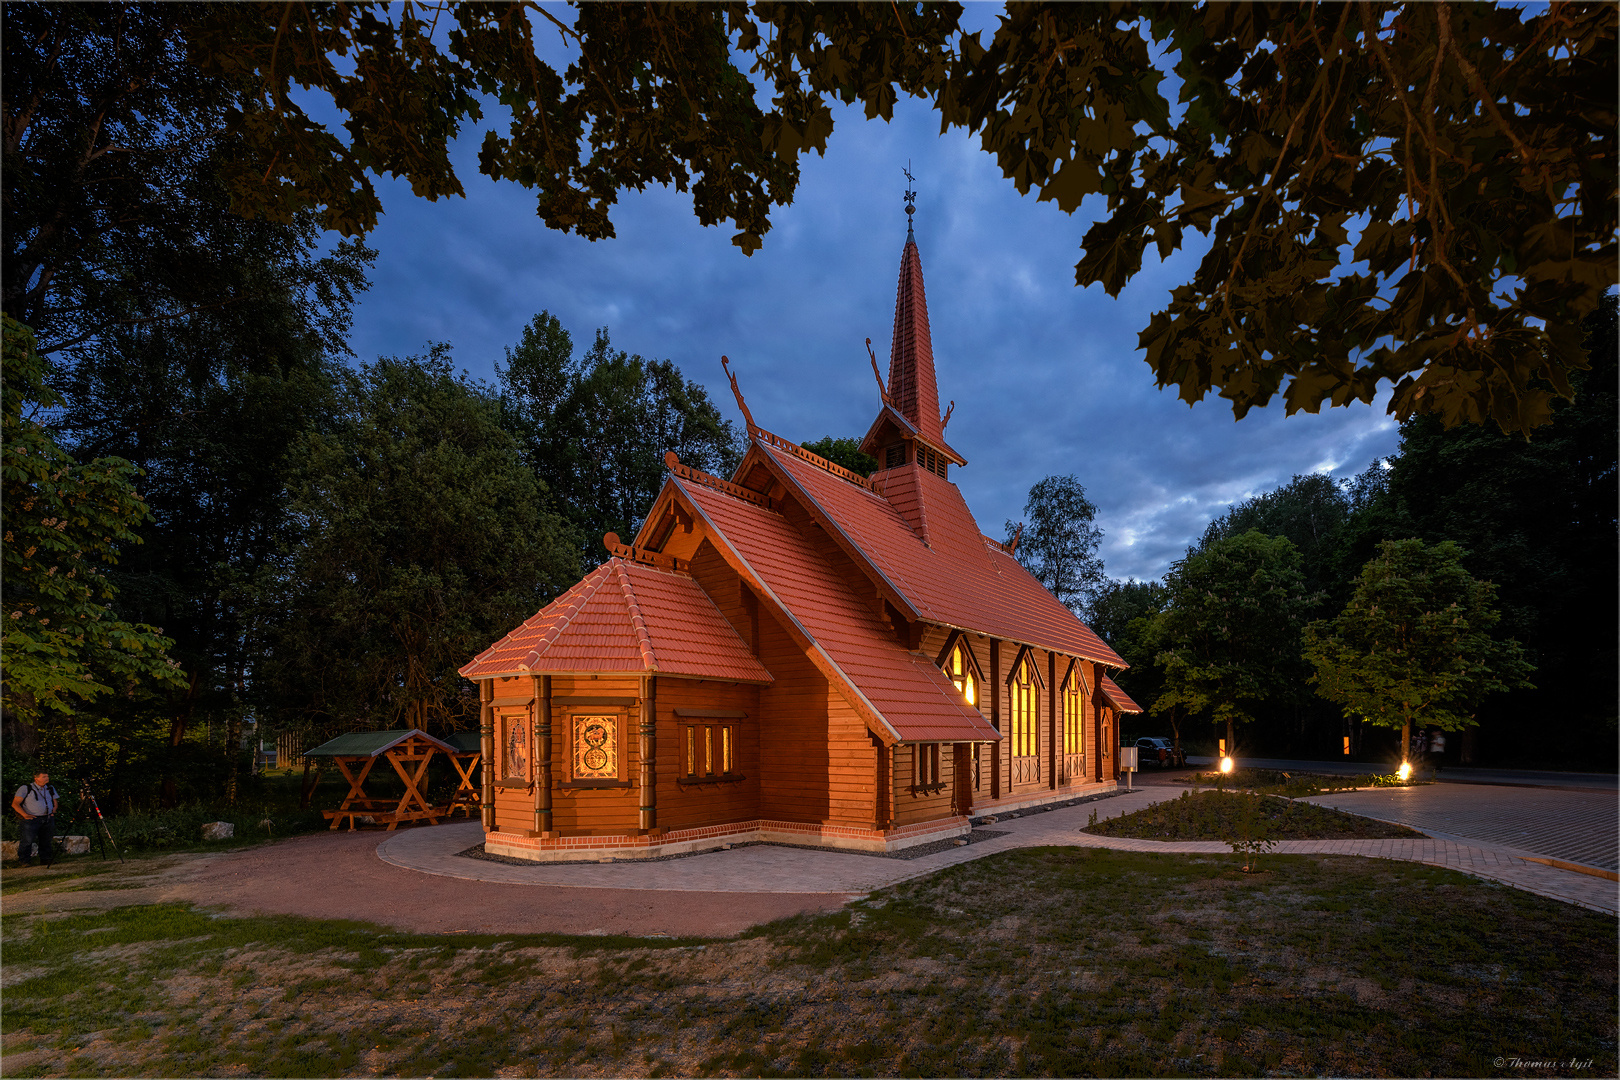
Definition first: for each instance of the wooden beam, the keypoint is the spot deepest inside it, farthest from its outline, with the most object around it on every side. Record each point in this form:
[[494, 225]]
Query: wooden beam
[[647, 749], [1051, 720], [996, 690], [486, 745], [542, 790], [534, 746]]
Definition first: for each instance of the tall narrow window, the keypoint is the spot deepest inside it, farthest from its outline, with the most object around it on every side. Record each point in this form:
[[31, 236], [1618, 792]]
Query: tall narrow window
[[961, 674], [1074, 704], [711, 751], [925, 766], [1025, 709]]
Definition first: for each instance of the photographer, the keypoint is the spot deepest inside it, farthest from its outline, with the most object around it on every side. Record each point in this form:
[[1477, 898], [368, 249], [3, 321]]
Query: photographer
[[35, 803]]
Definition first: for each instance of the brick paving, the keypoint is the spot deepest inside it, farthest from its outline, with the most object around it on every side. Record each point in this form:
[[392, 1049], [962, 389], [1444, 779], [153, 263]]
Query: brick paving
[[774, 869], [1576, 826]]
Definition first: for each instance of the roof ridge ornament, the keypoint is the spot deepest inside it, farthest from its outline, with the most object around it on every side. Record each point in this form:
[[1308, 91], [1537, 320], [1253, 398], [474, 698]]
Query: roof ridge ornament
[[883, 393], [737, 393]]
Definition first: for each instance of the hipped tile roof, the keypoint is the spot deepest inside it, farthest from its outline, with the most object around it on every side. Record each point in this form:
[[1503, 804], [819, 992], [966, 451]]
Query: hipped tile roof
[[1117, 697], [896, 689], [626, 617], [921, 537]]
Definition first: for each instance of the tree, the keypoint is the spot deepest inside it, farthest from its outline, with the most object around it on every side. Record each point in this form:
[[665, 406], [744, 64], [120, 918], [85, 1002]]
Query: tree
[[185, 339], [1058, 544], [115, 215], [1371, 175], [65, 524], [595, 428], [1127, 615], [1537, 520], [1413, 643], [423, 539], [1230, 628], [1116, 604], [845, 452], [1311, 510]]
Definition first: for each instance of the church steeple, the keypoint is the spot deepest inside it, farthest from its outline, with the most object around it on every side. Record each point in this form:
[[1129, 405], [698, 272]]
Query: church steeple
[[912, 386], [911, 399]]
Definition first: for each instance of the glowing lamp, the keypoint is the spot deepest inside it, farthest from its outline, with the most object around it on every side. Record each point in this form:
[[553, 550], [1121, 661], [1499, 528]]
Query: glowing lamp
[[1226, 764], [1404, 771]]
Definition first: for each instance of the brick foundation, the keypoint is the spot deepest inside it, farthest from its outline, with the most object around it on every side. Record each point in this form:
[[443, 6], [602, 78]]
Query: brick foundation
[[709, 838]]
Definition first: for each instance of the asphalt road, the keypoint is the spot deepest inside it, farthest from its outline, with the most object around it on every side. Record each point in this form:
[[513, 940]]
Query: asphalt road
[[1451, 774]]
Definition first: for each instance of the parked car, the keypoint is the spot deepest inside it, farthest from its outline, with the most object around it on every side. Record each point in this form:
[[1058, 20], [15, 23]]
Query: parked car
[[1157, 750]]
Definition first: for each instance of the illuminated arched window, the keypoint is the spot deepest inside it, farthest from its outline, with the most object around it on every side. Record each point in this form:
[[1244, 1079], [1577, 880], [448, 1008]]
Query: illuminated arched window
[[961, 674], [1025, 708], [1074, 714]]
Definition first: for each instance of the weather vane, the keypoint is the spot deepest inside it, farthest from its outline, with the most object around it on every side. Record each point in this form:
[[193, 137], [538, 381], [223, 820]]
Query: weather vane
[[911, 198]]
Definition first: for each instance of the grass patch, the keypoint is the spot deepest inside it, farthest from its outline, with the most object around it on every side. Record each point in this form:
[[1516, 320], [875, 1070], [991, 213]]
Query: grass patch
[[1221, 815], [1292, 785], [1053, 961]]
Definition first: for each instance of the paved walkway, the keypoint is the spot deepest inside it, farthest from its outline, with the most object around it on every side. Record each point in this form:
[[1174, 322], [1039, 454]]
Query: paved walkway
[[773, 869], [1576, 826]]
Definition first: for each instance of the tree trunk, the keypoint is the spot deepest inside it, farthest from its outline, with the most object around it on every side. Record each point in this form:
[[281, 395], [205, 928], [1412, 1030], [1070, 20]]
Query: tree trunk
[[233, 739], [115, 797], [307, 791], [24, 736], [1231, 738], [177, 734]]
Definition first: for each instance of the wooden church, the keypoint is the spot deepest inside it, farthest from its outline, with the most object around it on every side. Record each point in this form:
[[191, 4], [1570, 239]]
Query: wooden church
[[797, 654]]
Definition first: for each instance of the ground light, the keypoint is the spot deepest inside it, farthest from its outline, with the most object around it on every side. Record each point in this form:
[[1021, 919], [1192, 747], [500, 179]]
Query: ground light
[[1404, 771], [1226, 764]]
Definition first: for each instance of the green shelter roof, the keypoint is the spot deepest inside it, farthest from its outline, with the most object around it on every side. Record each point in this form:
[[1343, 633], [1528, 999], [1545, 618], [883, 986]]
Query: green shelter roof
[[372, 743], [467, 742]]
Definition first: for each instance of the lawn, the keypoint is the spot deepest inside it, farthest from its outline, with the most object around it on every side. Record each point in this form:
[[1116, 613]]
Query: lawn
[[1222, 815], [1050, 961]]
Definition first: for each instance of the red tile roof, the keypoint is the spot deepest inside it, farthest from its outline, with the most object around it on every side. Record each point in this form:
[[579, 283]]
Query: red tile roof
[[626, 617], [920, 536], [902, 694], [1118, 698]]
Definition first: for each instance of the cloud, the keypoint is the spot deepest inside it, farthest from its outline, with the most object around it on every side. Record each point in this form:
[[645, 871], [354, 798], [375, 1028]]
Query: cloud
[[1047, 377]]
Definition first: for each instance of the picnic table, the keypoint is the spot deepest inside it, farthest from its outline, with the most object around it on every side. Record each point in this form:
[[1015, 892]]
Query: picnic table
[[409, 752]]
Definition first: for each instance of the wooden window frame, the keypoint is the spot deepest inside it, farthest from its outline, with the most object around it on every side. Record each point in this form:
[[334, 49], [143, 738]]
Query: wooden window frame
[[1025, 725], [704, 743], [621, 717], [956, 646], [1074, 712], [504, 722], [925, 769]]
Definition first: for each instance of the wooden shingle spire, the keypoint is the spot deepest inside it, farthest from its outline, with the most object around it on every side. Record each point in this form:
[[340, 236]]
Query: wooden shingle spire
[[911, 399], [912, 386]]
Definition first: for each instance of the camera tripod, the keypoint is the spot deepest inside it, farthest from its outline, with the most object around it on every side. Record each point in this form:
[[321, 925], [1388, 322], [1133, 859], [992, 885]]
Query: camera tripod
[[87, 801]]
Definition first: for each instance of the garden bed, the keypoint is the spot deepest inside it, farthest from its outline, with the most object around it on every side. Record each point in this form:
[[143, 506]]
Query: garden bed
[[1222, 815]]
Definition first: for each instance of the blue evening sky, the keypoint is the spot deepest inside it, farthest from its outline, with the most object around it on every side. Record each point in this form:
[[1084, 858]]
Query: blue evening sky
[[1047, 378]]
